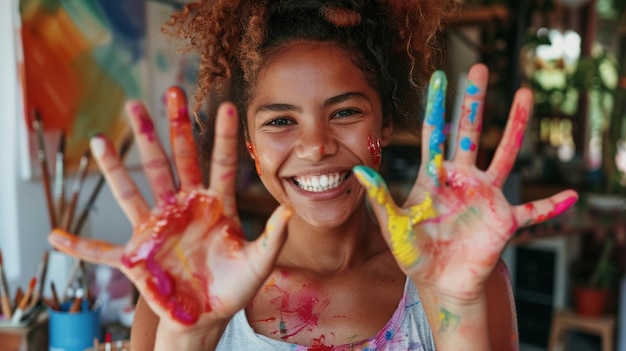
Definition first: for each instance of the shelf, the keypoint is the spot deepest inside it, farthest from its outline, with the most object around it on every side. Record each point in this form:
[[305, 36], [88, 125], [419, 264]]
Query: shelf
[[479, 16]]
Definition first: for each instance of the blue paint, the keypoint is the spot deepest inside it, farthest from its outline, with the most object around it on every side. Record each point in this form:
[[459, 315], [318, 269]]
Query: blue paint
[[472, 89], [465, 144], [435, 112], [473, 109], [389, 335]]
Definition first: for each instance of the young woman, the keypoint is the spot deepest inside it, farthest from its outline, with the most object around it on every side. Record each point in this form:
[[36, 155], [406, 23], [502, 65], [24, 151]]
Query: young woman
[[319, 86]]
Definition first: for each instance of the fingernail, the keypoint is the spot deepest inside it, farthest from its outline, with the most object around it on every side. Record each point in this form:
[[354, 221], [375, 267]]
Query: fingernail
[[98, 146], [564, 205]]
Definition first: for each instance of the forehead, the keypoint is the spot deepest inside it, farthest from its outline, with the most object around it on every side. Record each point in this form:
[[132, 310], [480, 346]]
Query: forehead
[[311, 62]]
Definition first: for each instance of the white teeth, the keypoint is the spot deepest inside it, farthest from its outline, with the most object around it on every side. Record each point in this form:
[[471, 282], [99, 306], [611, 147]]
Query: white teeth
[[321, 183]]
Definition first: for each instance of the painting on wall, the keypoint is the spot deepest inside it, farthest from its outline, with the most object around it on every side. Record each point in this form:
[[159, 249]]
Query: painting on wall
[[80, 62]]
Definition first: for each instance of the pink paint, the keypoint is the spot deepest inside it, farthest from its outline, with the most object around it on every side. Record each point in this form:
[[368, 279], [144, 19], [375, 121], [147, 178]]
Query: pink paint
[[520, 118], [374, 149], [146, 127], [228, 175], [564, 205], [299, 310], [177, 293]]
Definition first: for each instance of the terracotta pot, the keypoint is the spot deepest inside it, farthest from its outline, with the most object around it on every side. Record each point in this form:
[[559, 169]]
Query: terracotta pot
[[591, 302]]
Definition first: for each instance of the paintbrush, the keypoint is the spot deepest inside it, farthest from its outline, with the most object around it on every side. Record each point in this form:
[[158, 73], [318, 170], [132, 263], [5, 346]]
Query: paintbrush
[[5, 298], [78, 184], [124, 148], [42, 271], [77, 302], [59, 178], [55, 297], [19, 311], [43, 163]]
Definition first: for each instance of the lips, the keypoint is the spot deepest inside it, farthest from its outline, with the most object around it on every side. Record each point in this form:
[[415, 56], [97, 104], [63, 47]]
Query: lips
[[322, 182]]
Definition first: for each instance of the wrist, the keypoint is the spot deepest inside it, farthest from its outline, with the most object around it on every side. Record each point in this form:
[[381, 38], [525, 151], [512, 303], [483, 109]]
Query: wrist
[[457, 322], [171, 336]]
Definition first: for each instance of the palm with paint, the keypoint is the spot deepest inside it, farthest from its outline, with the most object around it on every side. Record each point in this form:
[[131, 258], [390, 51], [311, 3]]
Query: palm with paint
[[187, 255], [455, 223]]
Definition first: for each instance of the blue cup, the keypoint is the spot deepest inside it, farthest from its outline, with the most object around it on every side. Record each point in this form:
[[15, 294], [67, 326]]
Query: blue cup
[[73, 331]]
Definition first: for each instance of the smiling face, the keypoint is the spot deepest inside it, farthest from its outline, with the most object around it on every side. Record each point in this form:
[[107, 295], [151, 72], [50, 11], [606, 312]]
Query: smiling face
[[312, 118]]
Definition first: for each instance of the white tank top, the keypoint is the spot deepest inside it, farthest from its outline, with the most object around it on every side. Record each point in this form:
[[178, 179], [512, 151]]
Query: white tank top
[[408, 329]]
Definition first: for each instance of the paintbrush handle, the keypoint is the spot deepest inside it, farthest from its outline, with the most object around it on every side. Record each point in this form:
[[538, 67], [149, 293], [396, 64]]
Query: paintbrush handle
[[45, 173], [7, 309]]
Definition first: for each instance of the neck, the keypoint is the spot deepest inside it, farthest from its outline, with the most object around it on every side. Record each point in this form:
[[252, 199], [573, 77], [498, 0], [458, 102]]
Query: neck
[[328, 251]]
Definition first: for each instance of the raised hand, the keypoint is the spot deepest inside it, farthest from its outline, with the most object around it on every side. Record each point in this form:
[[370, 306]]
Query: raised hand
[[187, 255], [450, 232]]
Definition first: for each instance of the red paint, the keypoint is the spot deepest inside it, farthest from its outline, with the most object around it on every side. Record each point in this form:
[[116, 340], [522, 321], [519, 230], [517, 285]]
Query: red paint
[[299, 310], [181, 137], [374, 149], [321, 149], [145, 125], [178, 293], [318, 345]]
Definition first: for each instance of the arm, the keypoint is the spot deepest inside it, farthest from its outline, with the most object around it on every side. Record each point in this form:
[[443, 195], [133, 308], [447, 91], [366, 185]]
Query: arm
[[501, 314], [449, 234], [147, 332], [144, 328], [492, 317]]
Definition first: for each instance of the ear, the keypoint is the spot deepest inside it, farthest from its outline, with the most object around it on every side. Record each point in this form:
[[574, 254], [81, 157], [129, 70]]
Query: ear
[[385, 134], [250, 148]]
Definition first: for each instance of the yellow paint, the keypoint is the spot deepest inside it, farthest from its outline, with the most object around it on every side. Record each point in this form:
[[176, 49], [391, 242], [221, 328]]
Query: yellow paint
[[270, 284], [400, 226], [183, 259]]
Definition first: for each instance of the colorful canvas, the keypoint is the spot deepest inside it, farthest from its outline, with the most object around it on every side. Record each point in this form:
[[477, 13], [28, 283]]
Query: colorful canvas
[[82, 59]]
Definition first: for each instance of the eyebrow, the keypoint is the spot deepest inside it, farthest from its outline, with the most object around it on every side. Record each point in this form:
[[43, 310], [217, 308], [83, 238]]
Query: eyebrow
[[328, 102]]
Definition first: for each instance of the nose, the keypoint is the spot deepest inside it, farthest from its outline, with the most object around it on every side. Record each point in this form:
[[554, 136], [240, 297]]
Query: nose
[[316, 143]]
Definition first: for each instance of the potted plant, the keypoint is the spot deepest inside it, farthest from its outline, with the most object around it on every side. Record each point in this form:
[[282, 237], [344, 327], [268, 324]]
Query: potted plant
[[593, 292]]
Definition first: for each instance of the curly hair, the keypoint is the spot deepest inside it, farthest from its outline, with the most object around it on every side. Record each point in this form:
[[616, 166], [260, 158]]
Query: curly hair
[[391, 41]]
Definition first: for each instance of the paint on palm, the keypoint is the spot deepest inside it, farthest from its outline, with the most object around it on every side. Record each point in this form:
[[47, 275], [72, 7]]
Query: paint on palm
[[184, 292]]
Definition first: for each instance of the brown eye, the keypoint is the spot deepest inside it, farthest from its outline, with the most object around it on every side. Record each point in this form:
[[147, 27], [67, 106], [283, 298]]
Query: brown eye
[[279, 122], [345, 113]]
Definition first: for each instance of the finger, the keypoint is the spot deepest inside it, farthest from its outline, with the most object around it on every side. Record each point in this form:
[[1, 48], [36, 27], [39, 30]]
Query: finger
[[122, 185], [94, 251], [542, 210], [155, 162], [182, 141], [433, 133], [470, 121], [265, 249], [399, 223], [223, 171], [511, 142]]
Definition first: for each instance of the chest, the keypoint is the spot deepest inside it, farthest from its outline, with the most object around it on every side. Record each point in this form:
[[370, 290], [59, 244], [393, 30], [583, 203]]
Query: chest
[[306, 312]]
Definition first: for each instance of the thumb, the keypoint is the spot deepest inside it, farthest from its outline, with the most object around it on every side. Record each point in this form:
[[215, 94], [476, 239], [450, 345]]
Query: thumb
[[91, 250], [395, 223], [267, 246]]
